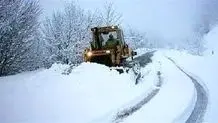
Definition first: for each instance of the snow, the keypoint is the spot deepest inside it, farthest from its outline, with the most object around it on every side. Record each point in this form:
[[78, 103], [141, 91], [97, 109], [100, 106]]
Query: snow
[[93, 93], [168, 106], [205, 68], [87, 94]]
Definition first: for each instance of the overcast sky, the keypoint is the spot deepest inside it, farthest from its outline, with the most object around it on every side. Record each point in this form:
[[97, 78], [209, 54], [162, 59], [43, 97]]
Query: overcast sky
[[130, 10], [168, 18]]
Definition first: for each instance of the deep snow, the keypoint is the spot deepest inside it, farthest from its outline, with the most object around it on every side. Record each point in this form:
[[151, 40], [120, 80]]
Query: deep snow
[[88, 93]]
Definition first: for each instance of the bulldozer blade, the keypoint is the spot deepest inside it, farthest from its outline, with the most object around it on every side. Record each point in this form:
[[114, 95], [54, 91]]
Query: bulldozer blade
[[133, 67]]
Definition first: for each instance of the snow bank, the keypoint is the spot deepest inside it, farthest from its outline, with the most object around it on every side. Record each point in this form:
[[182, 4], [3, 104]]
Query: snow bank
[[90, 92]]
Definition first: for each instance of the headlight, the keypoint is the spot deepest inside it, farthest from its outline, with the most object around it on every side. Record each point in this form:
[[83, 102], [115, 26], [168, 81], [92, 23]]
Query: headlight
[[89, 54], [108, 51]]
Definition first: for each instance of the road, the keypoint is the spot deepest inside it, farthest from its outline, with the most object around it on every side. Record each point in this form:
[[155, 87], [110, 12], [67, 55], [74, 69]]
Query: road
[[145, 58], [200, 108]]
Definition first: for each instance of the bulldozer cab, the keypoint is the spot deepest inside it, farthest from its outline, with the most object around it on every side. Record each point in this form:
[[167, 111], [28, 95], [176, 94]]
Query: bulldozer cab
[[101, 35]]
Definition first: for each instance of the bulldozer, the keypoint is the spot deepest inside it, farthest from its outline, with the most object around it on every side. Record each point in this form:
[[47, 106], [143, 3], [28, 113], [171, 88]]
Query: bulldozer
[[119, 57], [112, 56]]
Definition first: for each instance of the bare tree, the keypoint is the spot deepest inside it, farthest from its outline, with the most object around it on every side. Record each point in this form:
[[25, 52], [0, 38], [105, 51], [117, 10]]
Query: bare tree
[[110, 16]]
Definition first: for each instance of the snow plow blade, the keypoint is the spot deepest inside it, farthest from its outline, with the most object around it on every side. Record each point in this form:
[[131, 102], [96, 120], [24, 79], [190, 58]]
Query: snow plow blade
[[130, 67]]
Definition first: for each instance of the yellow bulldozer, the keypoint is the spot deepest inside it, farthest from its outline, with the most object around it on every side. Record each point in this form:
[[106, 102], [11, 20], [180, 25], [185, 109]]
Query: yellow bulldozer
[[108, 47]]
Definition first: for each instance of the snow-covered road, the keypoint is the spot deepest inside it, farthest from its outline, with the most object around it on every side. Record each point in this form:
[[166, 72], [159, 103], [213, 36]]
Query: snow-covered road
[[196, 109], [186, 108], [197, 115]]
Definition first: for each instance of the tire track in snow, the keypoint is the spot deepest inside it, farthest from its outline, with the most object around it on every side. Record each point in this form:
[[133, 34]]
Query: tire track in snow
[[197, 115], [129, 111]]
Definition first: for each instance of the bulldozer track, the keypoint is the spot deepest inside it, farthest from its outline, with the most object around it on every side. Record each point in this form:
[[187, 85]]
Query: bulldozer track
[[197, 115]]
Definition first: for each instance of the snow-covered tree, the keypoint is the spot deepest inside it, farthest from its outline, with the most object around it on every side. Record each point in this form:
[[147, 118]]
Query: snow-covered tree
[[67, 34], [18, 27], [135, 39], [195, 45]]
